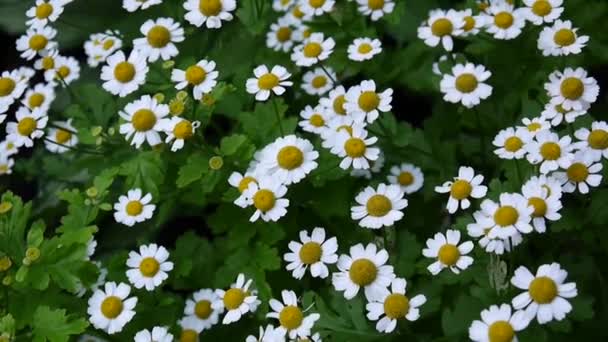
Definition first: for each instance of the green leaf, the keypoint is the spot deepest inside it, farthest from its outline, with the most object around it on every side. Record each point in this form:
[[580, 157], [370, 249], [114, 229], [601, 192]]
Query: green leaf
[[229, 145], [54, 325], [145, 171], [36, 234], [194, 169]]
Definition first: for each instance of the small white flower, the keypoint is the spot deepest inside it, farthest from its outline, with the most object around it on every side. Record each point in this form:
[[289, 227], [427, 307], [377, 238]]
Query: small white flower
[[200, 309], [110, 309], [190, 328], [481, 228], [267, 82], [134, 5], [123, 76], [498, 324], [440, 27], [466, 185], [100, 46], [66, 70], [289, 159], [160, 38], [546, 203], [557, 113], [472, 23], [550, 151], [375, 9], [241, 183], [148, 268], [368, 173], [267, 198], [133, 208], [270, 333], [394, 305], [209, 12], [364, 267], [292, 321], [466, 84], [581, 172], [362, 49], [510, 143], [158, 334], [535, 125], [44, 13], [40, 96], [545, 293], [356, 148], [296, 16], [47, 60], [379, 208], [8, 148], [238, 300], [332, 138], [35, 41], [282, 5], [28, 127], [408, 176], [364, 103], [334, 102], [281, 36], [539, 12], [11, 88], [313, 8], [178, 130], [60, 136], [572, 89], [551, 184], [202, 76], [561, 39], [314, 252], [503, 20], [314, 119], [448, 252], [594, 141], [143, 118], [317, 81], [313, 50], [511, 215], [6, 165]]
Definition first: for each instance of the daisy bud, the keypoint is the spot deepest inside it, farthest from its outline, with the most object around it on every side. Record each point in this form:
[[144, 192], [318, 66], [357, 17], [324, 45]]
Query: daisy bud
[[5, 207], [216, 162]]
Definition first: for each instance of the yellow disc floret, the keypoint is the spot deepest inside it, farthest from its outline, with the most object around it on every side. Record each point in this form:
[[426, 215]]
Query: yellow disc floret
[[378, 205], [363, 272]]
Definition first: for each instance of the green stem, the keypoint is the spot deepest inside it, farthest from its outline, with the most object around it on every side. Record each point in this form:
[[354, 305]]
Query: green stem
[[276, 111], [75, 149], [519, 175], [333, 80], [481, 137], [50, 124]]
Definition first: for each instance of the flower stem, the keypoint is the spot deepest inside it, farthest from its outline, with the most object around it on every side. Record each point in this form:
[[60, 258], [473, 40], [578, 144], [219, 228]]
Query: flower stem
[[333, 80], [75, 149], [276, 111], [519, 175]]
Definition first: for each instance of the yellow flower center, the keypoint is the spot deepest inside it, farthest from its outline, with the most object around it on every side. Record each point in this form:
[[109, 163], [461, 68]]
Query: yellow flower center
[[598, 139], [63, 72], [283, 34], [195, 75], [375, 5], [378, 205], [503, 20], [290, 157], [268, 81], [244, 183], [5, 263], [539, 205], [338, 105], [310, 253], [346, 128], [354, 147], [572, 88], [513, 144], [577, 172], [405, 178], [564, 37], [26, 126], [541, 8], [188, 335], [48, 63], [316, 3], [183, 130], [396, 306], [233, 298], [466, 83], [264, 200], [319, 81], [501, 331], [143, 120], [44, 10], [134, 208], [108, 44], [550, 151], [506, 216], [312, 50], [297, 12], [38, 42], [124, 72], [461, 189], [210, 8], [368, 101], [543, 290], [442, 27], [203, 309], [363, 272], [7, 85], [317, 120], [469, 23], [159, 36], [62, 136], [448, 254], [533, 127], [36, 100], [149, 267], [291, 317], [111, 307], [364, 48]]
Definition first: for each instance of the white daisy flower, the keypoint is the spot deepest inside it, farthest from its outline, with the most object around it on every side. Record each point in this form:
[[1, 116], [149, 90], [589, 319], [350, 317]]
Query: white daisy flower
[[510, 143], [189, 329], [201, 310], [267, 197], [472, 23], [394, 305], [594, 141], [40, 96], [143, 118], [317, 82], [503, 21], [282, 5], [158, 334], [202, 76], [550, 151], [149, 267], [160, 38], [557, 113], [379, 208], [480, 229], [539, 12], [313, 50], [331, 137], [375, 9], [133, 208], [238, 300], [439, 28], [498, 324], [364, 103], [178, 130], [561, 39], [466, 185], [6, 165], [292, 321], [241, 183], [44, 12], [296, 16], [355, 147], [123, 76], [509, 216], [314, 119], [100, 46], [47, 60], [134, 5], [362, 49], [35, 41], [301, 32], [281, 35], [572, 89], [536, 125], [466, 84], [8, 148], [266, 82], [289, 159], [316, 7], [546, 207], [408, 176], [367, 173], [25, 73], [270, 333], [28, 127], [110, 309], [314, 251], [11, 87], [61, 137], [546, 292], [551, 184], [334, 102], [209, 12], [581, 172], [66, 70], [448, 252]]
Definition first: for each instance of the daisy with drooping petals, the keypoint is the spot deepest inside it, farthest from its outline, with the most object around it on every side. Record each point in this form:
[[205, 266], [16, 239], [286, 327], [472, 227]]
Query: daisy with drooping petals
[[313, 8], [61, 137], [550, 151], [535, 125], [539, 12], [149, 267], [503, 21], [362, 49], [281, 35], [318, 81], [289, 159], [238, 300], [178, 130], [375, 168], [47, 60], [472, 23], [582, 171], [110, 309], [448, 252], [408, 176], [375, 9], [334, 102], [40, 96], [209, 12], [266, 195], [510, 143], [133, 208], [511, 215], [101, 45], [28, 127], [314, 119], [313, 50], [8, 148], [44, 13], [466, 185], [124, 76], [466, 84], [364, 103], [561, 39], [292, 321], [202, 76], [546, 292], [314, 252], [439, 28], [6, 165], [379, 208], [270, 333], [338, 129], [35, 41], [134, 5], [160, 38], [158, 334], [364, 267], [498, 324], [189, 329], [66, 71], [551, 184], [356, 148], [594, 141], [282, 5], [241, 183], [557, 113], [572, 89], [480, 229], [11, 87], [143, 118], [200, 309], [394, 305], [546, 207], [267, 82]]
